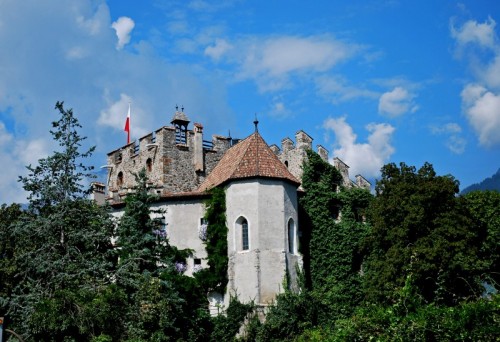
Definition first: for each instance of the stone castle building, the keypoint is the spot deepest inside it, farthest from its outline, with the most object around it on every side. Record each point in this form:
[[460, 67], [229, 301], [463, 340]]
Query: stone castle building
[[262, 185]]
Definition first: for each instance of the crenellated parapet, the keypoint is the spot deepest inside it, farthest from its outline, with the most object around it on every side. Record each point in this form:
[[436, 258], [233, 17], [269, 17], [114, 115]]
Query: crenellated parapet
[[176, 159], [293, 154]]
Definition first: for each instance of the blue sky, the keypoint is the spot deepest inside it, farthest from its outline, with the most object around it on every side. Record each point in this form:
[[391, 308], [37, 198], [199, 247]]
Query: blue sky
[[372, 81]]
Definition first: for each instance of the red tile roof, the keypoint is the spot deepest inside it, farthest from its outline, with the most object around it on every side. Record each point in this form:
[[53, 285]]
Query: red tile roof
[[249, 158]]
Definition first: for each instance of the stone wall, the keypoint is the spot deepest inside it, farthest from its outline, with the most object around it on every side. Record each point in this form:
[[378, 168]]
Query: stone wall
[[172, 167]]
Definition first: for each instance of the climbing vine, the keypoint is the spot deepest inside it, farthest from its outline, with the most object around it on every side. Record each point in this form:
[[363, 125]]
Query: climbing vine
[[215, 277], [334, 221]]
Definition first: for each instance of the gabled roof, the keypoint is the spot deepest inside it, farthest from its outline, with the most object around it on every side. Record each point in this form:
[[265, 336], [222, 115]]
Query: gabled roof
[[249, 158]]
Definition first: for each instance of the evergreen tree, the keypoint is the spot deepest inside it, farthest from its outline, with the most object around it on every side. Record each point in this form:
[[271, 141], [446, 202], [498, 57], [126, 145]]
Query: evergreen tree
[[162, 303], [8, 268], [63, 246]]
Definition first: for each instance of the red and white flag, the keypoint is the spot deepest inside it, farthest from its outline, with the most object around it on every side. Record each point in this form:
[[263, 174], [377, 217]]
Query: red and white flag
[[127, 125]]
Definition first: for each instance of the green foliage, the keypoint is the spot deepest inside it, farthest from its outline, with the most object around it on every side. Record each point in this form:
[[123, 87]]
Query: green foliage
[[214, 279], [141, 240], [484, 208], [417, 217], [475, 321], [161, 303], [8, 268], [63, 248], [59, 177], [334, 245], [227, 325], [292, 314]]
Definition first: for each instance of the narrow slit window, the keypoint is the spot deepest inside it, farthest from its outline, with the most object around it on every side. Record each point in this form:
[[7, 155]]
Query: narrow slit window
[[244, 234]]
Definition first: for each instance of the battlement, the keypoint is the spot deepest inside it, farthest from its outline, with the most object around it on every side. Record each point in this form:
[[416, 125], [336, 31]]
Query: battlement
[[293, 156], [176, 160]]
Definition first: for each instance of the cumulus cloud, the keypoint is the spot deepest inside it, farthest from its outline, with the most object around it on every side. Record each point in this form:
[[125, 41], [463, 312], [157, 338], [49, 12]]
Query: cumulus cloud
[[482, 34], [481, 96], [271, 61], [454, 141], [123, 27], [396, 102], [72, 57], [363, 158], [482, 108], [220, 47], [16, 154]]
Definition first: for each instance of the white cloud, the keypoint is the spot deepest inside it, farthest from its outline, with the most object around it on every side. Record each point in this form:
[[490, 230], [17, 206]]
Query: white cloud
[[271, 61], [220, 47], [72, 57], [123, 27], [337, 90], [474, 32], [116, 113], [363, 158], [482, 108], [456, 144], [450, 128], [454, 141], [16, 154], [278, 109], [396, 102]]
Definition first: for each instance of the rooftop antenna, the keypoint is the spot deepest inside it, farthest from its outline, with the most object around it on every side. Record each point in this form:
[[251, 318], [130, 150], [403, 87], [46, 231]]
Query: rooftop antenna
[[256, 123]]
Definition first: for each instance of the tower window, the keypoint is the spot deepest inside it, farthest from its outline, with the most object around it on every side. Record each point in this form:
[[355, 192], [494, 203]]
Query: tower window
[[286, 163], [149, 165], [119, 179], [291, 236], [244, 235]]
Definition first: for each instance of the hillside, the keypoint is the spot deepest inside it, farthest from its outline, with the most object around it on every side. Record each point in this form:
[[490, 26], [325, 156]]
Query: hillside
[[490, 183]]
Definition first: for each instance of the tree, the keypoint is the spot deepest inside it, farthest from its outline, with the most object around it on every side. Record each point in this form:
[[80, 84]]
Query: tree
[[484, 208], [162, 303], [420, 229], [63, 245], [8, 268]]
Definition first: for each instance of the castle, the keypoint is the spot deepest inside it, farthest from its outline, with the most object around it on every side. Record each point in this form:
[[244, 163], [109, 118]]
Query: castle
[[262, 185]]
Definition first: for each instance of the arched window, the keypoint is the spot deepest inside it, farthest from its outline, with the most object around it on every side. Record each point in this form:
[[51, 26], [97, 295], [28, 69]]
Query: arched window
[[119, 179], [242, 234], [149, 165], [291, 236], [286, 163]]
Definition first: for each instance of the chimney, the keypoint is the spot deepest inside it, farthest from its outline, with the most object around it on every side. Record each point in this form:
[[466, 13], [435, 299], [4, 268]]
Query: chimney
[[198, 147]]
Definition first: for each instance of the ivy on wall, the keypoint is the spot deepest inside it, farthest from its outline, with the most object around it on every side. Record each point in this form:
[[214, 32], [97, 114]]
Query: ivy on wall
[[214, 278], [333, 224]]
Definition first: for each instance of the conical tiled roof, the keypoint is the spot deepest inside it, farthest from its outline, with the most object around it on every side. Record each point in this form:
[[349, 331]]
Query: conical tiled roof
[[249, 158]]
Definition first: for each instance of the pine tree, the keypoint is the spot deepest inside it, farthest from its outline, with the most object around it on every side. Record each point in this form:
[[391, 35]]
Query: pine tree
[[63, 243]]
